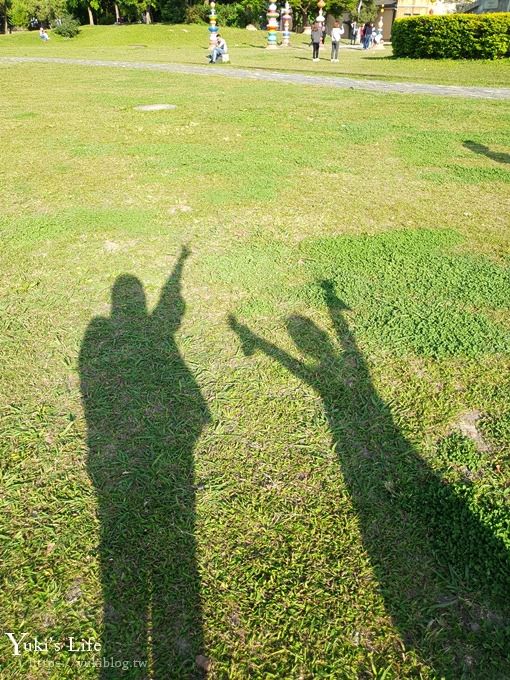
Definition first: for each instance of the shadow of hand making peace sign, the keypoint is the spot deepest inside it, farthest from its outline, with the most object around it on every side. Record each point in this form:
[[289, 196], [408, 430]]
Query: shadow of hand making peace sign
[[144, 414], [444, 577]]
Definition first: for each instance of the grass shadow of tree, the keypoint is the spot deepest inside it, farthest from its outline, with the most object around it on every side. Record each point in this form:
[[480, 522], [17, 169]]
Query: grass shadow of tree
[[144, 413], [444, 576]]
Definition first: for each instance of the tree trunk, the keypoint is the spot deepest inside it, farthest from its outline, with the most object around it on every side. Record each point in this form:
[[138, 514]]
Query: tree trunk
[[5, 22], [117, 13], [91, 16], [303, 15]]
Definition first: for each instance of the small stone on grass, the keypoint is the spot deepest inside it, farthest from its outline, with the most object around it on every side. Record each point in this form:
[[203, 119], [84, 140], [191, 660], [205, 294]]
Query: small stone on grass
[[179, 208], [203, 662], [467, 424], [155, 107]]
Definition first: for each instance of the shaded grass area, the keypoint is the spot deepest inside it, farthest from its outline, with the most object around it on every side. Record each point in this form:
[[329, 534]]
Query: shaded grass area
[[189, 44], [293, 495]]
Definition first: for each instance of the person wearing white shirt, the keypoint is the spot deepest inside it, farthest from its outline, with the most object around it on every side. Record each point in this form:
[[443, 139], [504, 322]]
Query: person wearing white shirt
[[336, 33], [218, 51]]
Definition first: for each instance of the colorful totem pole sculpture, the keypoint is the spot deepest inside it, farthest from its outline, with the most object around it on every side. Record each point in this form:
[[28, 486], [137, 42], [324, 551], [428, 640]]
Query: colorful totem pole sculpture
[[213, 29], [379, 42], [286, 24], [272, 26], [320, 18]]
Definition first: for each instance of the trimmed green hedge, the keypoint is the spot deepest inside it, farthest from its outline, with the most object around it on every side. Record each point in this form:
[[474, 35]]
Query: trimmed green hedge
[[452, 36]]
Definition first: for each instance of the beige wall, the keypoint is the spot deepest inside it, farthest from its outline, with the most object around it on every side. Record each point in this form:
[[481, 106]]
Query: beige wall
[[388, 16], [414, 7]]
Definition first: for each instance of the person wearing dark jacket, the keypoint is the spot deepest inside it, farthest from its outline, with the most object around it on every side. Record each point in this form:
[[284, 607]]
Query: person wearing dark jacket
[[316, 41], [367, 35]]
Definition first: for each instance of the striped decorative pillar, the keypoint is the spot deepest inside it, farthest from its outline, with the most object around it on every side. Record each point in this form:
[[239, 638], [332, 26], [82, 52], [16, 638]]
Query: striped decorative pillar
[[213, 29], [286, 23], [272, 26]]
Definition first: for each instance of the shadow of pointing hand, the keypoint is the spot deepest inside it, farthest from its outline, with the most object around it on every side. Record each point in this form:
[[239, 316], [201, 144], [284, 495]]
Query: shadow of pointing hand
[[332, 300]]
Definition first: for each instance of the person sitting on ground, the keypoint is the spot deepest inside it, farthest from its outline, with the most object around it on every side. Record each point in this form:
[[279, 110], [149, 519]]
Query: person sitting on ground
[[43, 35], [219, 50]]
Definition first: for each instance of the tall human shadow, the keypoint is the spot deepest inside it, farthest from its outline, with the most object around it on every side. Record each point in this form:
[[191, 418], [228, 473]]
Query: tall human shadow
[[144, 414], [498, 156], [444, 577]]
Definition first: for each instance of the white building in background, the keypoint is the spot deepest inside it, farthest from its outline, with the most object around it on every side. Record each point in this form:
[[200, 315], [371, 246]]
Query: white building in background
[[484, 6]]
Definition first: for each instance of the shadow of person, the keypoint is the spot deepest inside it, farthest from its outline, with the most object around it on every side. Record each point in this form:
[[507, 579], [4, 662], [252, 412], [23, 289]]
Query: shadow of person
[[497, 156], [144, 414], [444, 576]]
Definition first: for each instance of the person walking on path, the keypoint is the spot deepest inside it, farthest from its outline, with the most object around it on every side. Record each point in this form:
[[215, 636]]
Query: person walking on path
[[316, 41], [336, 34]]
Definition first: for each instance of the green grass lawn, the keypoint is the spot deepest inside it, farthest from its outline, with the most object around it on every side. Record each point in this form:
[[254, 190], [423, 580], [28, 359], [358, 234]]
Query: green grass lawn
[[254, 375], [189, 44]]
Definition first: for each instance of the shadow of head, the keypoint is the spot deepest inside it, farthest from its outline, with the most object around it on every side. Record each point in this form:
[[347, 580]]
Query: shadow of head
[[309, 338], [128, 299]]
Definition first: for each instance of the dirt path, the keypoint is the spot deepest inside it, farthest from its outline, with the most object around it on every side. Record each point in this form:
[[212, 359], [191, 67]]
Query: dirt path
[[297, 79]]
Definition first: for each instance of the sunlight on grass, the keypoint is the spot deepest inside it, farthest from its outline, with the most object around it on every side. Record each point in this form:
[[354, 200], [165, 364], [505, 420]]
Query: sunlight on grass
[[277, 418]]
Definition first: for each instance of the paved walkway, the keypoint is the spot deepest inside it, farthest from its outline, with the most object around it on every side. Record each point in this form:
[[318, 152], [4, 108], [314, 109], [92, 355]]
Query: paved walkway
[[297, 79]]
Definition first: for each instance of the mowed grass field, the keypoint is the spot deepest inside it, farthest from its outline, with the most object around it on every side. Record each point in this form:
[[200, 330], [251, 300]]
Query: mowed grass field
[[254, 379], [188, 44]]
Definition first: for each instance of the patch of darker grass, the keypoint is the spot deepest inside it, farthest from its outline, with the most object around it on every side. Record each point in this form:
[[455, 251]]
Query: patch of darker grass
[[410, 293], [411, 297]]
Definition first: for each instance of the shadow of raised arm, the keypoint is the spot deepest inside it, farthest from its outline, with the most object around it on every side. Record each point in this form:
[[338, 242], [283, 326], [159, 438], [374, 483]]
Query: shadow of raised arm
[[170, 308], [335, 305], [250, 343]]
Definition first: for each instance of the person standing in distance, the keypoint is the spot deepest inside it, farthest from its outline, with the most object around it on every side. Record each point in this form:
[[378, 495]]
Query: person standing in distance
[[316, 41], [336, 34], [367, 36]]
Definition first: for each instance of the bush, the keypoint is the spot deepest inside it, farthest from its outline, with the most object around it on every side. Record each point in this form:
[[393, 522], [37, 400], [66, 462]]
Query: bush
[[197, 14], [238, 14], [452, 36], [173, 11], [231, 15], [106, 19], [67, 27]]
